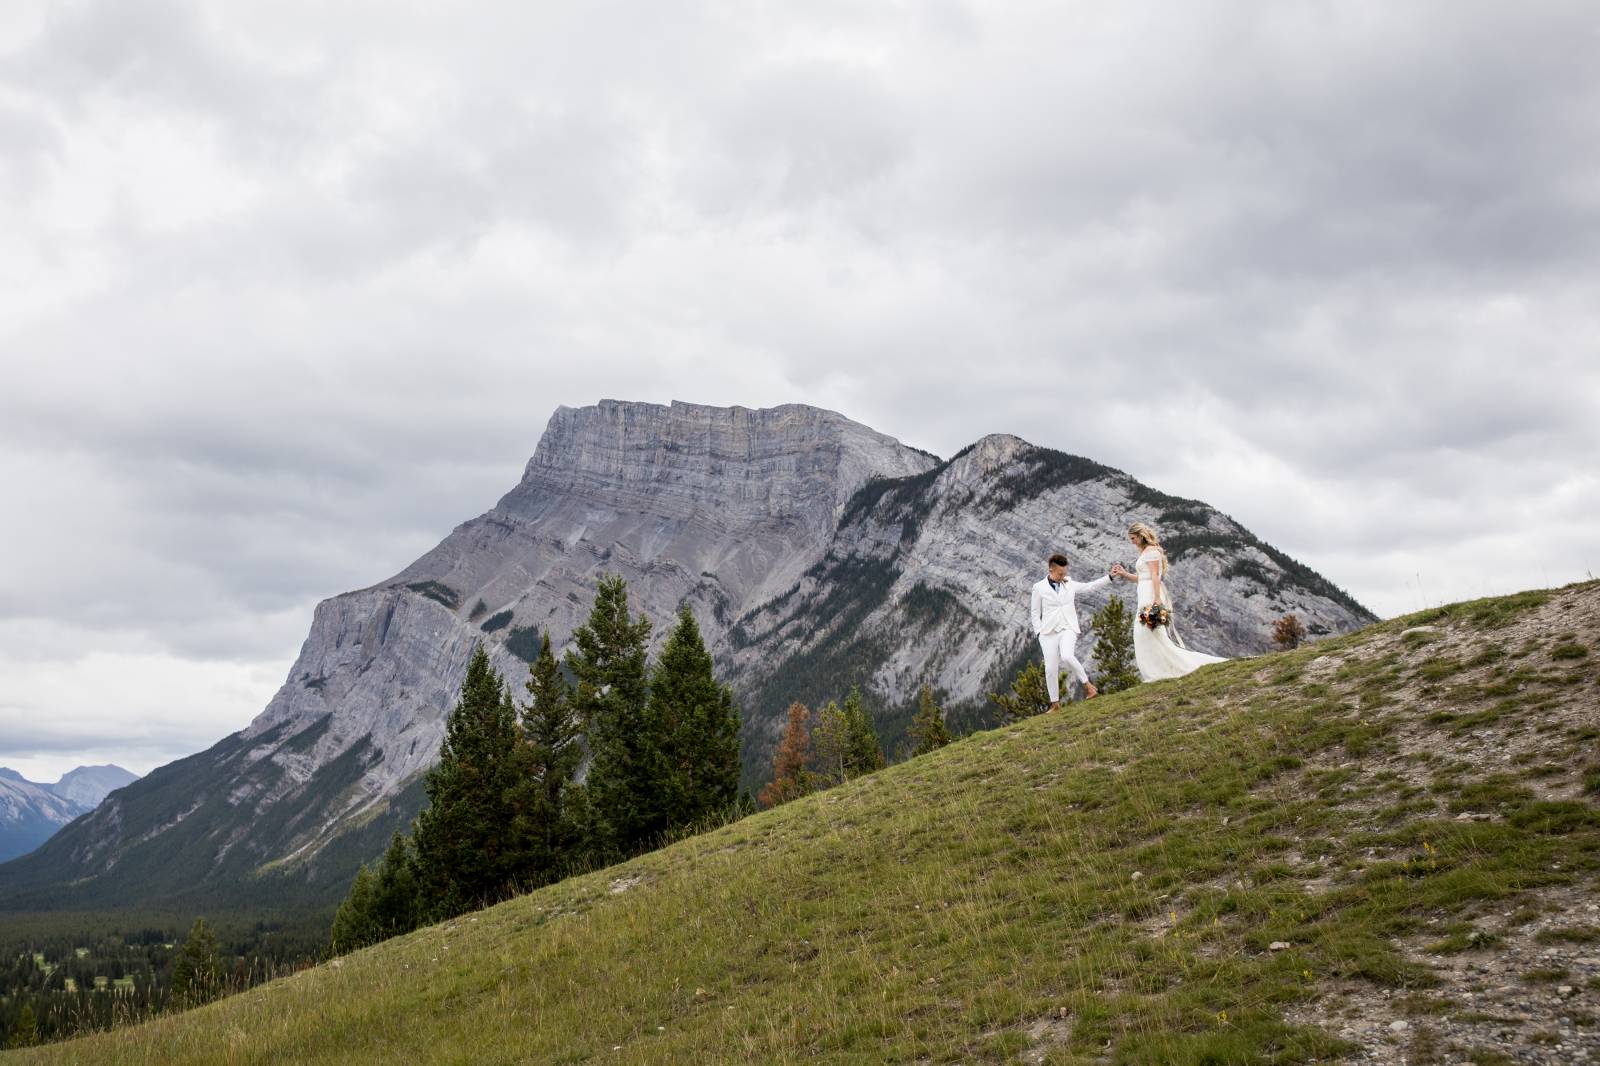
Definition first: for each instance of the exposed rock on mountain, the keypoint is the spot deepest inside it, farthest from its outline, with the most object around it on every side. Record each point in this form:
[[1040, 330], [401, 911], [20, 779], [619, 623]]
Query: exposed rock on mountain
[[815, 552]]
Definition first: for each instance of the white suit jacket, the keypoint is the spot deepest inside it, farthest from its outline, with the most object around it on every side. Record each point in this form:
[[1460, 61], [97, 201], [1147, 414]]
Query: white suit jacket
[[1056, 610]]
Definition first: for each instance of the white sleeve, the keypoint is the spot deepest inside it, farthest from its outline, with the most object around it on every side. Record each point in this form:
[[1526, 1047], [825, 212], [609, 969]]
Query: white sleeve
[[1098, 583], [1033, 610]]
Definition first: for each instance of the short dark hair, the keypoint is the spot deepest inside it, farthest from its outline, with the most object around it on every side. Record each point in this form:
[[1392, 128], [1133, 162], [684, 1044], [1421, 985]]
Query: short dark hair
[[1058, 559]]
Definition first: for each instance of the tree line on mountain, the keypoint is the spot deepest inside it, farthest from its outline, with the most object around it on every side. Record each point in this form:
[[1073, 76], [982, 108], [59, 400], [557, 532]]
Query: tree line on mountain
[[506, 811]]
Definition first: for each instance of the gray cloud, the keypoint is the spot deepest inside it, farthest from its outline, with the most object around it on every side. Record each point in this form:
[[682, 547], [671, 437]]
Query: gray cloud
[[292, 289], [799, 137]]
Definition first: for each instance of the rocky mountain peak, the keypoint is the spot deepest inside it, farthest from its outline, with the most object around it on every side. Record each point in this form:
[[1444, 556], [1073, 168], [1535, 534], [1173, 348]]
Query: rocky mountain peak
[[31, 812], [984, 458], [670, 460], [88, 785]]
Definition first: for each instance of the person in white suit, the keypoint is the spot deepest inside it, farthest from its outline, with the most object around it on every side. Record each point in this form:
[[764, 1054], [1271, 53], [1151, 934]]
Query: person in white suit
[[1053, 612]]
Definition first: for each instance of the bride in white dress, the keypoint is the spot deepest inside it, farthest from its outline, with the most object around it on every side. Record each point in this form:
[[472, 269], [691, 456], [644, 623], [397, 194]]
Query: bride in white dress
[[1159, 653]]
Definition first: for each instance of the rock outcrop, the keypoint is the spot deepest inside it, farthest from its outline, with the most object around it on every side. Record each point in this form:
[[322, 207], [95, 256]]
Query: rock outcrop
[[815, 552]]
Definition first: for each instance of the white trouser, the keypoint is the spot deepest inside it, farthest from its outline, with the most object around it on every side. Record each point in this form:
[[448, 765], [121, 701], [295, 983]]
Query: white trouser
[[1061, 649]]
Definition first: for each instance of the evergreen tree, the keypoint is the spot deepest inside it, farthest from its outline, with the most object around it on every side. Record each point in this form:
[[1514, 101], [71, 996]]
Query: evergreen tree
[[790, 777], [928, 728], [352, 923], [196, 975], [846, 745], [1028, 695], [468, 850], [627, 780], [396, 906], [1113, 648], [26, 1032], [381, 903], [699, 727], [590, 836], [547, 804], [863, 750], [830, 746]]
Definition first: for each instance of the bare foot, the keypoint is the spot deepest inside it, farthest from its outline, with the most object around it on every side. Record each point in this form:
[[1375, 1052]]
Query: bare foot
[[1053, 708], [1090, 692]]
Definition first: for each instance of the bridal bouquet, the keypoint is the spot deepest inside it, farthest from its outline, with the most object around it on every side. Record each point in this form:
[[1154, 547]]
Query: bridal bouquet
[[1155, 616]]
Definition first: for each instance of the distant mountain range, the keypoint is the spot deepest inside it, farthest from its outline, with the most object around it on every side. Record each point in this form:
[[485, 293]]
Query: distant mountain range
[[30, 812], [816, 552]]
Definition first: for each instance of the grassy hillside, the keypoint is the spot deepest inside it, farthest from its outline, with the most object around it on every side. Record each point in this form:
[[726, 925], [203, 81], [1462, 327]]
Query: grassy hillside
[[1384, 844]]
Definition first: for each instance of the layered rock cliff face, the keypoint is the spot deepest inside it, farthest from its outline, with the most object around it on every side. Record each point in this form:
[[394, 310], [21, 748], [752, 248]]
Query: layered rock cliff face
[[719, 507], [814, 551]]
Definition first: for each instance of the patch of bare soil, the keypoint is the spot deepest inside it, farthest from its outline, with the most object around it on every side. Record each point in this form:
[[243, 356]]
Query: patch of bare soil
[[1490, 710]]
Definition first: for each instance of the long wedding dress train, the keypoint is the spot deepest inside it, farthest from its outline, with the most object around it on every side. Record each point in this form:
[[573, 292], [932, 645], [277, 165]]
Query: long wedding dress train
[[1156, 651]]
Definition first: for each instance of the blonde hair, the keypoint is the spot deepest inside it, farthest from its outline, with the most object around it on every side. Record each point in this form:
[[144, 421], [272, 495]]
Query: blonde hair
[[1148, 539]]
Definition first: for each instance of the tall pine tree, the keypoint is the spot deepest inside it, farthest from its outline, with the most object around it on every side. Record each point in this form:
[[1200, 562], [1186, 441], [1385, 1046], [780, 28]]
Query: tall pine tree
[[928, 728], [396, 906], [863, 751], [197, 973], [627, 782], [549, 807], [831, 746], [469, 853], [352, 922], [699, 727], [381, 903], [846, 744]]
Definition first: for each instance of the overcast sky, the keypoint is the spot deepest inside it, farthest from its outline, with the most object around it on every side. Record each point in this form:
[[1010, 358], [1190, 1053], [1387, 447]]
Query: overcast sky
[[289, 289]]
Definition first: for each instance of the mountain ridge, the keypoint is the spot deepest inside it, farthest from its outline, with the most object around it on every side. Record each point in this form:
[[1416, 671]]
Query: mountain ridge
[[31, 811], [803, 541], [88, 785]]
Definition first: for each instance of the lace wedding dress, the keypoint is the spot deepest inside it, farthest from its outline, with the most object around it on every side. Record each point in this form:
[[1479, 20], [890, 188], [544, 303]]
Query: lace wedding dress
[[1159, 653]]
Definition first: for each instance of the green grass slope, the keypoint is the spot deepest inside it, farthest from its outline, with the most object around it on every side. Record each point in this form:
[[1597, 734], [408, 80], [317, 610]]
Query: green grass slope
[[1385, 844]]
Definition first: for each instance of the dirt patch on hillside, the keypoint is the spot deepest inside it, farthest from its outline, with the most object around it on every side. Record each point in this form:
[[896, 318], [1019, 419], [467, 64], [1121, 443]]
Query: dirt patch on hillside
[[1471, 717]]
